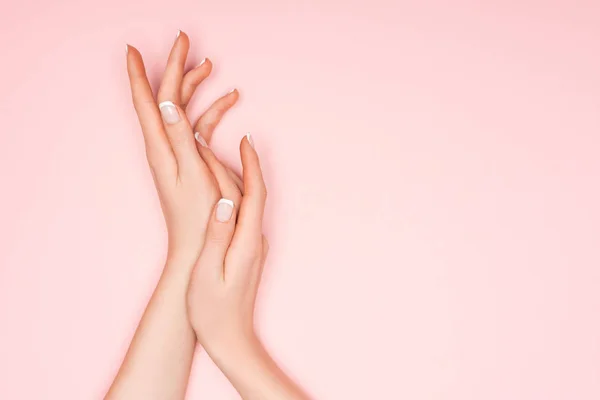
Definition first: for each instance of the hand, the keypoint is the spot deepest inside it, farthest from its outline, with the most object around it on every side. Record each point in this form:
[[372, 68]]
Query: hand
[[227, 257], [185, 185], [225, 280], [163, 345]]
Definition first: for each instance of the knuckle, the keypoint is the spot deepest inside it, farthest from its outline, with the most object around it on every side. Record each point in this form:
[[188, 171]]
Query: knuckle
[[250, 254], [217, 238], [155, 162], [180, 138], [206, 124]]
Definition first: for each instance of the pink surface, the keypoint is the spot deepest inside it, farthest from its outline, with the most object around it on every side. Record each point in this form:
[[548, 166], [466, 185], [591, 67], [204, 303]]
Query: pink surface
[[434, 192]]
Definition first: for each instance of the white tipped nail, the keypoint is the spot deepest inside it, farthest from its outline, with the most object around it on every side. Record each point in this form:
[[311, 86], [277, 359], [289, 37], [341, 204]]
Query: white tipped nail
[[249, 139], [202, 62], [224, 210], [200, 139], [169, 112], [178, 33], [226, 201], [126, 48], [231, 91], [166, 104]]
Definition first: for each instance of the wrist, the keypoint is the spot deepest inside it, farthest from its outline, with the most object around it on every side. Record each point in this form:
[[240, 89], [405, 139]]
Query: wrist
[[252, 371], [182, 258], [178, 268], [184, 252], [231, 352]]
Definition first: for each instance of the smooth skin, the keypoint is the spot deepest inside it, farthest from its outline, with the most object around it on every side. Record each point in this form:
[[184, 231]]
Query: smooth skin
[[208, 286], [225, 281]]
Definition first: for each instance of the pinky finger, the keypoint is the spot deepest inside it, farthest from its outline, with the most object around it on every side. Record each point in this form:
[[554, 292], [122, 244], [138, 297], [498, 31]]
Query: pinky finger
[[210, 119]]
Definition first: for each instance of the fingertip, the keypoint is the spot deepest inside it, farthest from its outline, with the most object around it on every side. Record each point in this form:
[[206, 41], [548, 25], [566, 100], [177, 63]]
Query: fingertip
[[135, 63], [200, 139], [250, 140], [131, 51], [234, 93], [182, 37], [232, 100], [231, 97], [200, 72], [247, 145], [251, 170]]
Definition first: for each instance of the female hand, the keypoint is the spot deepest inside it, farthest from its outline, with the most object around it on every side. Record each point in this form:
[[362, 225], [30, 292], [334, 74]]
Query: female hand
[[223, 286], [185, 185], [225, 280], [163, 345]]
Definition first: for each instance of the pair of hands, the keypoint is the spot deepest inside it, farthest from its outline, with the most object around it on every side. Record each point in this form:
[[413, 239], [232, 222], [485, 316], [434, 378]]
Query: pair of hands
[[214, 219]]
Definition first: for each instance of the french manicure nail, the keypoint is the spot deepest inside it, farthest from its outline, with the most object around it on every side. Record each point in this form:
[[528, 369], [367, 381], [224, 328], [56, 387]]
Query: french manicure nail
[[202, 62], [178, 33], [250, 140], [231, 91], [200, 139], [126, 48], [224, 210], [169, 112]]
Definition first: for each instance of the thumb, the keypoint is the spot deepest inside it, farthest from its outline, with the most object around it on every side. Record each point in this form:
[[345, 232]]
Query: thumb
[[218, 236]]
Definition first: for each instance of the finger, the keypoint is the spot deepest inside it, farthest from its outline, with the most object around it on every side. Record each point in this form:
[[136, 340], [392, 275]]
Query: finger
[[179, 133], [248, 234], [176, 124], [227, 184], [207, 123], [222, 226], [158, 149], [192, 79], [236, 179], [255, 193], [170, 87], [218, 236], [200, 143]]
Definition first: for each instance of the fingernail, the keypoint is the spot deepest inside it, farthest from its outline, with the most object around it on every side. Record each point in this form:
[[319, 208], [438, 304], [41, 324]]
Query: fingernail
[[200, 139], [169, 112], [178, 33], [224, 210], [231, 91], [249, 139], [202, 62], [126, 48]]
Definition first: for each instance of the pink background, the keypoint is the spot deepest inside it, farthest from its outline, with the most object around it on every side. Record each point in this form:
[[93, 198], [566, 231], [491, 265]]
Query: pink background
[[434, 176]]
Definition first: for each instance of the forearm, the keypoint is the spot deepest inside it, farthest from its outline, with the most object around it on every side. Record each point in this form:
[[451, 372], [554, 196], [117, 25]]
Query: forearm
[[254, 374], [158, 362]]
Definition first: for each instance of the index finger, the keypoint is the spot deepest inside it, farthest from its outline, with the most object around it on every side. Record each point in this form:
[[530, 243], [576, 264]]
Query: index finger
[[158, 149]]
